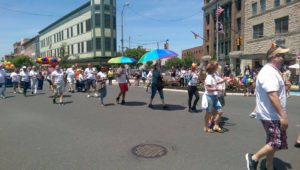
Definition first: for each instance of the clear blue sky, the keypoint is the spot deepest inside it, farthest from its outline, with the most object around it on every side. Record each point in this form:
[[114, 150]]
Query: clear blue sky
[[145, 21]]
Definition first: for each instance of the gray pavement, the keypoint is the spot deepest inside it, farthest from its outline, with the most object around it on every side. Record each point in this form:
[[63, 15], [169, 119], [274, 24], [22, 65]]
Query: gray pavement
[[38, 135]]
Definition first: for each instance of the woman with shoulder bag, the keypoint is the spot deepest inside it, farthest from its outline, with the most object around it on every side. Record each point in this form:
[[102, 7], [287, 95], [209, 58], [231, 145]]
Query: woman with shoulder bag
[[101, 85], [157, 85]]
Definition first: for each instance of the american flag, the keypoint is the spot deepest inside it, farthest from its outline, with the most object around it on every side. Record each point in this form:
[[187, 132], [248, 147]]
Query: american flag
[[219, 11], [220, 28], [195, 35]]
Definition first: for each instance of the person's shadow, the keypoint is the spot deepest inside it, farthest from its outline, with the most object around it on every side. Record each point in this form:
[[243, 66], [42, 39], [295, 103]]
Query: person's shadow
[[278, 164], [224, 122], [134, 103], [170, 107]]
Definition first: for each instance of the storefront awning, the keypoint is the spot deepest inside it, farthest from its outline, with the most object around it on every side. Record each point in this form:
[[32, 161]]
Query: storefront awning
[[235, 54], [206, 58]]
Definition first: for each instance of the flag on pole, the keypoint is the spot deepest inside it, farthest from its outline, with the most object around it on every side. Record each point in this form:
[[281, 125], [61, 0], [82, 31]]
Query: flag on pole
[[219, 11], [195, 35], [220, 28]]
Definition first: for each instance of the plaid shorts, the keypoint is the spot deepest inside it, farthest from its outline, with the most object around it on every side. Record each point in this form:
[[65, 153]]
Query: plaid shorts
[[276, 137]]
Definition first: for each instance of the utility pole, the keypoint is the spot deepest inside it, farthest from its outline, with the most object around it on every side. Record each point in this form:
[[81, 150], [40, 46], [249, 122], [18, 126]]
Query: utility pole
[[122, 27], [129, 42]]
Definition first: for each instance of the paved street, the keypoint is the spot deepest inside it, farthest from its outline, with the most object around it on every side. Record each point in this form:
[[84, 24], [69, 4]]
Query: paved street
[[38, 135]]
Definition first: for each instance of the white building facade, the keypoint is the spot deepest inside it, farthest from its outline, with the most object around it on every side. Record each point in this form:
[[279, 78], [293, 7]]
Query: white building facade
[[87, 34]]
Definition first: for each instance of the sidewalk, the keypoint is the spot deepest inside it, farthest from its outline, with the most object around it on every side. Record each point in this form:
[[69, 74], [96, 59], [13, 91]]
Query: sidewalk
[[201, 92]]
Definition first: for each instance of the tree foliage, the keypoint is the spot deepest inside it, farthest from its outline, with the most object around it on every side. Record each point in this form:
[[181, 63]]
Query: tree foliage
[[22, 60], [189, 60], [64, 56], [176, 62], [135, 53]]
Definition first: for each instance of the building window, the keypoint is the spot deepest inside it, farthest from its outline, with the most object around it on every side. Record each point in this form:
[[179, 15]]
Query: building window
[[62, 35], [81, 27], [107, 44], [282, 25], [89, 46], [114, 23], [98, 43], [207, 19], [78, 29], [276, 3], [287, 1], [207, 35], [107, 8], [68, 34], [72, 49], [258, 31], [254, 8], [107, 21], [97, 7], [71, 31], [82, 47], [263, 6], [78, 48], [238, 25], [207, 49], [238, 4], [88, 25], [115, 44], [97, 20]]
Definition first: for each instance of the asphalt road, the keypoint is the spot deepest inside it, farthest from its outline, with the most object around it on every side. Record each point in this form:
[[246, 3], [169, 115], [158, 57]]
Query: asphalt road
[[38, 135]]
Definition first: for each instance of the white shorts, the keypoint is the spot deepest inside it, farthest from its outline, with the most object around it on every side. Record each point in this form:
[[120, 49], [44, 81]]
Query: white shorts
[[71, 81], [60, 88]]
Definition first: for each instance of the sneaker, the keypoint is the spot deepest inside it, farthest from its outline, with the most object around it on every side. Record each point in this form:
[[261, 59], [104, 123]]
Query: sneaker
[[208, 130], [123, 102], [15, 92], [88, 96], [101, 105], [217, 128], [150, 106], [251, 164], [54, 100], [3, 97], [190, 110], [297, 145], [117, 99], [252, 115]]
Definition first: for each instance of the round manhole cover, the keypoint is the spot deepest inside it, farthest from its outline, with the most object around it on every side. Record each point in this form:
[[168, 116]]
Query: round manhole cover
[[149, 151]]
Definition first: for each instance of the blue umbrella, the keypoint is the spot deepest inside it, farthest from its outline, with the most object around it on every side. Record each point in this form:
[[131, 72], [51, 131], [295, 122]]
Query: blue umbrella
[[121, 60], [157, 54]]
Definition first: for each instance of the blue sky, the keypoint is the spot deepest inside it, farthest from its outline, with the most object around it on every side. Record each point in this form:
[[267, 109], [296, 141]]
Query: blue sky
[[145, 21]]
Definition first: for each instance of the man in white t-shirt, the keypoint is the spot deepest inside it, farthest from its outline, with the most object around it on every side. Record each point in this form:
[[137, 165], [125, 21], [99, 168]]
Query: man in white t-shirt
[[123, 80], [57, 77], [2, 81], [71, 78], [271, 108], [25, 79], [33, 80], [90, 76], [15, 79]]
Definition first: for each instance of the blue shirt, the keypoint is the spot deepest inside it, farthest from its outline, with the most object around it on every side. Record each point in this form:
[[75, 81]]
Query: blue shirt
[[155, 75]]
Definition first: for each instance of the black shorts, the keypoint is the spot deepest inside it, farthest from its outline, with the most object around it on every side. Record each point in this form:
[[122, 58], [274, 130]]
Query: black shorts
[[221, 98]]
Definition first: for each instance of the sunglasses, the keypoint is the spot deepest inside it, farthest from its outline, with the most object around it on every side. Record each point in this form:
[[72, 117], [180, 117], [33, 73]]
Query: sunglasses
[[280, 55]]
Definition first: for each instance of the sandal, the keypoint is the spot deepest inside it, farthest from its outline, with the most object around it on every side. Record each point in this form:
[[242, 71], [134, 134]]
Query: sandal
[[208, 130], [217, 129]]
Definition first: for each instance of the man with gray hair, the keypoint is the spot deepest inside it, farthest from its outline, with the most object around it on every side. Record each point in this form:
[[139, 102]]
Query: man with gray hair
[[2, 81], [271, 108]]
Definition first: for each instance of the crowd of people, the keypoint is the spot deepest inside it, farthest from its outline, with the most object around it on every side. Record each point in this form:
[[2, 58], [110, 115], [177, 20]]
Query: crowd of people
[[270, 84]]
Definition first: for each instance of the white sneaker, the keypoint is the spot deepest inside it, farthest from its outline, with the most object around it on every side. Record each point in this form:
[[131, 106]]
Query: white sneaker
[[252, 115], [88, 96], [96, 94]]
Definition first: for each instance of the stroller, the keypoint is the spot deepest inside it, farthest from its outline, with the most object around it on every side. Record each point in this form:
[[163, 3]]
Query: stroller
[[81, 86]]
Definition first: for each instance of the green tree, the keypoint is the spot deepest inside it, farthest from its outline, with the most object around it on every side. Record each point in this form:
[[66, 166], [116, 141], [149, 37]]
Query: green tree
[[22, 60], [176, 62], [189, 60], [149, 65], [63, 55], [136, 53]]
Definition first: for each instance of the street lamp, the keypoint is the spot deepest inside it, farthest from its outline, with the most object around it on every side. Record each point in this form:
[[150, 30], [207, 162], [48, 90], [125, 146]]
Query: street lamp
[[122, 34]]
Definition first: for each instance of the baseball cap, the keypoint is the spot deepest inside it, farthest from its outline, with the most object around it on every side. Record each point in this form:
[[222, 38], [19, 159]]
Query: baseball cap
[[24, 67]]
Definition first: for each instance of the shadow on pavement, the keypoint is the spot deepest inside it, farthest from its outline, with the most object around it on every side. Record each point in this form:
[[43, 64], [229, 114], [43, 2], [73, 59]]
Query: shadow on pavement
[[64, 96], [171, 107], [109, 104], [68, 102], [223, 122], [278, 164], [135, 103], [6, 97]]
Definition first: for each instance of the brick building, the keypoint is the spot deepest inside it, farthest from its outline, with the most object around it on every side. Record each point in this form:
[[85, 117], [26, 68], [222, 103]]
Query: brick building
[[270, 21], [230, 43], [196, 52], [29, 47]]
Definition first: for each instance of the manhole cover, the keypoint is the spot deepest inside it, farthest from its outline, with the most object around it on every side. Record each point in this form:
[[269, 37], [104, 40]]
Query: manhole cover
[[149, 151]]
